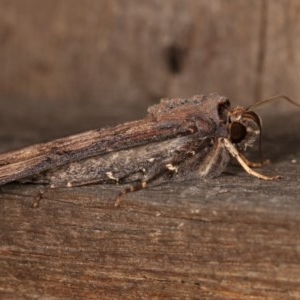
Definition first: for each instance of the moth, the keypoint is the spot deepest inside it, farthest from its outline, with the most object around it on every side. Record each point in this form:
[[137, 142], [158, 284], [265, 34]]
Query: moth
[[179, 139]]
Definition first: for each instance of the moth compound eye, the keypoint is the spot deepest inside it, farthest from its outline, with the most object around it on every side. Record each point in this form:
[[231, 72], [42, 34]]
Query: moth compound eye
[[237, 132]]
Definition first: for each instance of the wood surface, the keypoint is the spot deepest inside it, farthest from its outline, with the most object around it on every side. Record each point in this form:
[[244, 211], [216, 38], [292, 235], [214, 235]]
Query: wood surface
[[233, 237]]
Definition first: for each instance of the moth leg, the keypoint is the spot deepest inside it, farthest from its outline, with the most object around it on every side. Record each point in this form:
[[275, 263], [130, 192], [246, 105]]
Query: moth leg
[[132, 188], [252, 164], [233, 151], [156, 173]]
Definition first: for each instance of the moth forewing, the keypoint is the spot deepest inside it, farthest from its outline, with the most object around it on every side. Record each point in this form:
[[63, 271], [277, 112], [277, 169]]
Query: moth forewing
[[178, 158], [170, 119], [179, 139]]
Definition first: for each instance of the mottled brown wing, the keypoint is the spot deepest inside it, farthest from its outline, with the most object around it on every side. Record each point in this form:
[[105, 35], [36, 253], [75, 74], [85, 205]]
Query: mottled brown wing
[[183, 119]]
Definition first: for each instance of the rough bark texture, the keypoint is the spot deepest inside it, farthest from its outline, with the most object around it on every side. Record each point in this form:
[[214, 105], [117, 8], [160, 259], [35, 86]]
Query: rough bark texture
[[74, 65]]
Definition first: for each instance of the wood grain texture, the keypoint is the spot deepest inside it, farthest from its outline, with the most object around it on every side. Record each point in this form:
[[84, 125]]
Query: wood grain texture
[[233, 237]]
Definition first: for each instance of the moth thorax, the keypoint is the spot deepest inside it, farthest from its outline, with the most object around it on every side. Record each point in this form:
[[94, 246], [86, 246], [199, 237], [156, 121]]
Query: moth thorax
[[244, 128]]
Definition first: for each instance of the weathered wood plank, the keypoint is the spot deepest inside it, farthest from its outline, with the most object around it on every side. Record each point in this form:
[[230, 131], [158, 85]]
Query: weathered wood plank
[[233, 237]]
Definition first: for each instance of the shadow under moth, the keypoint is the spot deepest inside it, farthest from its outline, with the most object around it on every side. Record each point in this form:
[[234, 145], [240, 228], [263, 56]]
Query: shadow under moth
[[179, 139]]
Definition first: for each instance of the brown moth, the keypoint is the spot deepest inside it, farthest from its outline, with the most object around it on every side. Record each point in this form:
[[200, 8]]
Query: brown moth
[[179, 139]]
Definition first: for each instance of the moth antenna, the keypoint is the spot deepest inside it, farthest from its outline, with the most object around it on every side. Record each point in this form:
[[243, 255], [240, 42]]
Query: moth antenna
[[259, 146], [262, 102]]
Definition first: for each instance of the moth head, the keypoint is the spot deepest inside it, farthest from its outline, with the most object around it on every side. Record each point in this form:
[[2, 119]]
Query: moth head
[[244, 128], [245, 125]]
